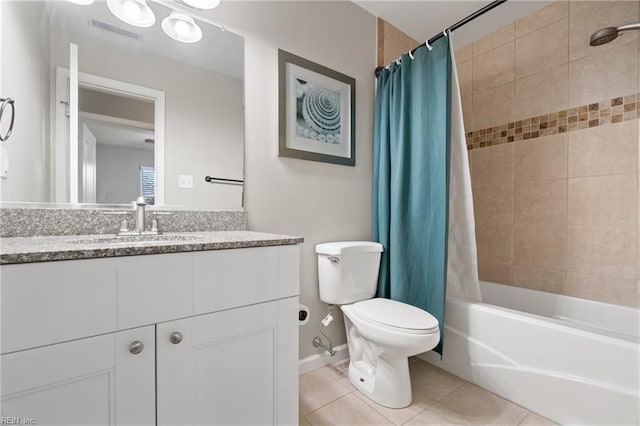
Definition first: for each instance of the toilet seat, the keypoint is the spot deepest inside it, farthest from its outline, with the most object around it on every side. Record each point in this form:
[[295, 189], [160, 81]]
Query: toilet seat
[[396, 316]]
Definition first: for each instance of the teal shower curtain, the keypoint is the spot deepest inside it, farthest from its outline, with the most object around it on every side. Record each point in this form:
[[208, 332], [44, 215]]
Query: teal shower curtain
[[411, 170]]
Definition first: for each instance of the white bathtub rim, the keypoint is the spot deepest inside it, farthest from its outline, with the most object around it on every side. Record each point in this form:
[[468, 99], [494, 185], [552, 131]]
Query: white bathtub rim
[[515, 366], [573, 309], [603, 335]]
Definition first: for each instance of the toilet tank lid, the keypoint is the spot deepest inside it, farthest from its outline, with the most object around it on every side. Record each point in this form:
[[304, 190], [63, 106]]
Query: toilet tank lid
[[348, 247]]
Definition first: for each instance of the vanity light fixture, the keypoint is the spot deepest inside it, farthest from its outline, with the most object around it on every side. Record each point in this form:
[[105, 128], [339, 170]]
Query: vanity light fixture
[[201, 4], [132, 12], [178, 25], [181, 27]]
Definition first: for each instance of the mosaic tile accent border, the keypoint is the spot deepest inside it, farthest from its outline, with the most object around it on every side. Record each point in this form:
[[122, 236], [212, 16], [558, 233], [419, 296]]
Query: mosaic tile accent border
[[610, 111]]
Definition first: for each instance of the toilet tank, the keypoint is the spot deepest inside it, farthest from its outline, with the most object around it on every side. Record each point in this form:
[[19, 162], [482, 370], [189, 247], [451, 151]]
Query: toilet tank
[[348, 271]]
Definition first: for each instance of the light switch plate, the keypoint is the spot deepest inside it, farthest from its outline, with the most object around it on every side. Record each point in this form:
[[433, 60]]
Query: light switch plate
[[185, 181]]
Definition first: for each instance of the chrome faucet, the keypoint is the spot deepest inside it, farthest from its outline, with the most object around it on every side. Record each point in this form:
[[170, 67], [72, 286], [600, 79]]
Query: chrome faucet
[[141, 227], [140, 209]]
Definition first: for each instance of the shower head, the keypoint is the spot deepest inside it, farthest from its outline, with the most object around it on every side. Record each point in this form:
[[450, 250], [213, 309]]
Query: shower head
[[605, 35]]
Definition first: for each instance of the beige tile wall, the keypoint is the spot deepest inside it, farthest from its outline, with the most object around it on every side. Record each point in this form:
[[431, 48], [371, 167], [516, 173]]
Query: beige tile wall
[[557, 212], [392, 43]]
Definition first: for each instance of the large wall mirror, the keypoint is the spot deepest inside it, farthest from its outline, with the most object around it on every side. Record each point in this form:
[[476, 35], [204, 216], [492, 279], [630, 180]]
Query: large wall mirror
[[107, 112]]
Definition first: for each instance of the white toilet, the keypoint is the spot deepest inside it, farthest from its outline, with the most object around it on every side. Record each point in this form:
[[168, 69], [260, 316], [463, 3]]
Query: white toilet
[[381, 333]]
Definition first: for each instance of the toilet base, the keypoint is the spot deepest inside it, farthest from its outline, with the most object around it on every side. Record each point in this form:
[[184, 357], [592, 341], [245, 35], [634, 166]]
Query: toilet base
[[386, 382], [379, 359]]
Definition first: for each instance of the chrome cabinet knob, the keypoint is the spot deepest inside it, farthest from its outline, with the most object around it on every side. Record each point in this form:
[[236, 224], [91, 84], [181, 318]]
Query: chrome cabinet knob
[[136, 347], [176, 337]]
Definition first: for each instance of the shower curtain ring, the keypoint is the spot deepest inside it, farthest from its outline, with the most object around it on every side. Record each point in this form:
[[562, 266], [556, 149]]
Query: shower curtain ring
[[411, 54], [398, 61], [426, 43], [444, 32]]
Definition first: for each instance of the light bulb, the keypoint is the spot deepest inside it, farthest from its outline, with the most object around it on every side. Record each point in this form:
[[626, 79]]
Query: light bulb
[[132, 9], [182, 29], [133, 12]]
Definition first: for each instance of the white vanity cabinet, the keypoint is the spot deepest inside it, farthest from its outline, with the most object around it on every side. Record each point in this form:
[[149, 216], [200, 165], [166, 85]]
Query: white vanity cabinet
[[206, 337]]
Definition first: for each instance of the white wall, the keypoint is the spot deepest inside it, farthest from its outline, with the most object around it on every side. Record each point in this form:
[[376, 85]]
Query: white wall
[[118, 173], [25, 78], [319, 201], [204, 116], [216, 149]]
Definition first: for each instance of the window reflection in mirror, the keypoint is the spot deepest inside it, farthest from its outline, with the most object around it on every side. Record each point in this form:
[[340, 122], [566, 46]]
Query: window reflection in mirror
[[203, 111]]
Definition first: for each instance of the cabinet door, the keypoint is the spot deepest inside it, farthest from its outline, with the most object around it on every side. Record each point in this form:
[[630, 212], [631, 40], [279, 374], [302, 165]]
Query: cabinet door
[[96, 380], [233, 367]]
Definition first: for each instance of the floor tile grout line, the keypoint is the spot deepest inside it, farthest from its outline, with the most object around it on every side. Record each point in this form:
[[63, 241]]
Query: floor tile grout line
[[333, 400], [331, 376], [391, 420], [452, 390], [421, 411], [342, 396]]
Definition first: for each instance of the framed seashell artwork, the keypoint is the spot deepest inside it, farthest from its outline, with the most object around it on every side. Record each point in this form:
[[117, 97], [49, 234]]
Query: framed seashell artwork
[[316, 111]]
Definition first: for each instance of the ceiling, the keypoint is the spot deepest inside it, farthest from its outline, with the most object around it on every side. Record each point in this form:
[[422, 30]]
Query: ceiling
[[219, 50], [423, 19]]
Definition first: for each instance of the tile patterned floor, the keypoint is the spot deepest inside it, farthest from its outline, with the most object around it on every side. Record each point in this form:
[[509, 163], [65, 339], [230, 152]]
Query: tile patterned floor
[[439, 398]]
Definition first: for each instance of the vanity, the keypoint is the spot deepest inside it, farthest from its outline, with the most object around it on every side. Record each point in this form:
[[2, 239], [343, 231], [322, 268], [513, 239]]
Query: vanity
[[200, 330]]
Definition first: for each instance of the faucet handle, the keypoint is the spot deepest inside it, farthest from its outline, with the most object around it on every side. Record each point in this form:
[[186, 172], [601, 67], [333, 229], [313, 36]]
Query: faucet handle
[[124, 224], [154, 222], [154, 226]]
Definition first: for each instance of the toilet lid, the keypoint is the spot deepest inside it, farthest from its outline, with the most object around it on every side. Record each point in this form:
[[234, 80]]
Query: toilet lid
[[395, 314]]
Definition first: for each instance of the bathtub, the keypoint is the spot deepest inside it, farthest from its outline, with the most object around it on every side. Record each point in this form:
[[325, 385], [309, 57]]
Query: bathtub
[[572, 360]]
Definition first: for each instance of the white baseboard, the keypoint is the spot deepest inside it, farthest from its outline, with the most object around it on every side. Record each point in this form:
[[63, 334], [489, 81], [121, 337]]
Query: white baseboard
[[320, 360]]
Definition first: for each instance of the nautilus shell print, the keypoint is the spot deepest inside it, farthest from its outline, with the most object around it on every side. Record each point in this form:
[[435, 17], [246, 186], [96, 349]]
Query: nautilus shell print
[[318, 112]]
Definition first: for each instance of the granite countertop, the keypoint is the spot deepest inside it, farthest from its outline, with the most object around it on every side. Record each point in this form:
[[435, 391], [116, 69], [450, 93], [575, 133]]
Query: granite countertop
[[44, 249]]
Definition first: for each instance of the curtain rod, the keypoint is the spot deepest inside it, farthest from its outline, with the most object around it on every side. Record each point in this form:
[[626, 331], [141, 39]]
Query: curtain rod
[[455, 26]]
